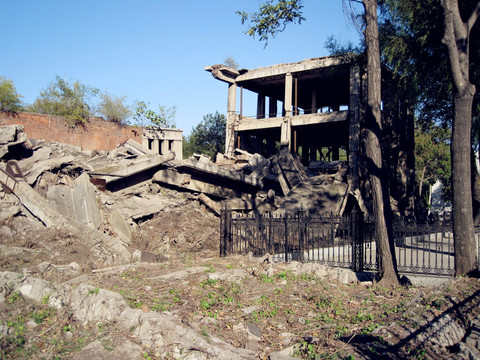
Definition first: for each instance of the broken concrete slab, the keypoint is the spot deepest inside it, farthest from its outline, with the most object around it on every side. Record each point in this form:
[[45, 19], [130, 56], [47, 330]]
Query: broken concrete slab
[[202, 158], [129, 171], [79, 202], [32, 173], [212, 169], [212, 205], [292, 168], [315, 197], [12, 133], [127, 167], [136, 148], [196, 183], [9, 207], [109, 249], [120, 226], [135, 207]]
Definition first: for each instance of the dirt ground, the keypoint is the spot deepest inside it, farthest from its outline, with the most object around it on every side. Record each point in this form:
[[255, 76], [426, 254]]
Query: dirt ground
[[245, 301]]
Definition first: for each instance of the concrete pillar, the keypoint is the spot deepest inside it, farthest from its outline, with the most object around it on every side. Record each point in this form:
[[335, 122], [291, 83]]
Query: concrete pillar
[[229, 133], [260, 106], [156, 146], [272, 107], [177, 148], [286, 132], [314, 101], [145, 142], [164, 147], [286, 129], [288, 94]]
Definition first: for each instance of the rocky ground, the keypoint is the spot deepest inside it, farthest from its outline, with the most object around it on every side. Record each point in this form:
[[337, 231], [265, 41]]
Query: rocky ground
[[68, 294], [264, 309]]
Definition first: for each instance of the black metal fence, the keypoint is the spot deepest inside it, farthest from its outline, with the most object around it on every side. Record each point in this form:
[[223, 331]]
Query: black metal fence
[[346, 241]]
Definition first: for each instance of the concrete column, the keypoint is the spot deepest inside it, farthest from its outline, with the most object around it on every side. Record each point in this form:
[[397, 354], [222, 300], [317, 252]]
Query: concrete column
[[145, 142], [178, 149], [260, 106], [286, 129], [164, 147], [286, 132], [314, 101], [229, 133], [156, 146], [272, 107], [288, 94]]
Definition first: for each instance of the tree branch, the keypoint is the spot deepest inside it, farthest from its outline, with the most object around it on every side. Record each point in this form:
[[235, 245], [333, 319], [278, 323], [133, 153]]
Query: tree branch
[[473, 17], [450, 40]]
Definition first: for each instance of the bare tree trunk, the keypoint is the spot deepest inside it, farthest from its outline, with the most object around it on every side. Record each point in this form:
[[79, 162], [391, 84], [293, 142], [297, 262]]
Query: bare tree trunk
[[378, 174], [420, 189], [456, 38]]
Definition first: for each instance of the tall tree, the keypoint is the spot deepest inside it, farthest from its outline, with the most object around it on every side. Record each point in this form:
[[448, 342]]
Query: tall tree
[[272, 19], [9, 98], [378, 173], [208, 137], [457, 38], [71, 100]]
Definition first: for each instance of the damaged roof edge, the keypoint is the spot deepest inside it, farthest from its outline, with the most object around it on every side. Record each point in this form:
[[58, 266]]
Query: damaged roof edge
[[230, 75], [223, 73]]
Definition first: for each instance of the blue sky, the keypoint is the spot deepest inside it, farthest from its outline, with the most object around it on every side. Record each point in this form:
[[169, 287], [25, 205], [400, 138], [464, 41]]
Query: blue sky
[[150, 50]]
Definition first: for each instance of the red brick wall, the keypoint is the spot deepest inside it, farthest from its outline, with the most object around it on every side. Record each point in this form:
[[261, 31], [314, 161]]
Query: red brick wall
[[97, 134]]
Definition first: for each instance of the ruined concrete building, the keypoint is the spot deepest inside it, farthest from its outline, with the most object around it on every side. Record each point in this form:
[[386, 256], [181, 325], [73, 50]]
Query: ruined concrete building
[[164, 141], [317, 108]]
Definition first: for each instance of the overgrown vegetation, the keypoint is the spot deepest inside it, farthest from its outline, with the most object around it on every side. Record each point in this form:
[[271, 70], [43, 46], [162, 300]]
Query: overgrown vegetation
[[10, 99], [208, 137], [72, 100]]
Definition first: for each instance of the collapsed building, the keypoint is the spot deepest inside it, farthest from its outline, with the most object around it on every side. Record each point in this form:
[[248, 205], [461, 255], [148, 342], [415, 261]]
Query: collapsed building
[[316, 109], [309, 156]]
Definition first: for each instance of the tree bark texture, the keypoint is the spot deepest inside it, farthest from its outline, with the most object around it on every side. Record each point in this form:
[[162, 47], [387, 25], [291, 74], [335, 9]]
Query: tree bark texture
[[456, 39], [377, 172]]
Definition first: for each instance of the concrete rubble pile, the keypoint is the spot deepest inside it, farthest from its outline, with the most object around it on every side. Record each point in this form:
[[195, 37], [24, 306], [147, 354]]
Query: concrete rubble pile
[[55, 183], [104, 195]]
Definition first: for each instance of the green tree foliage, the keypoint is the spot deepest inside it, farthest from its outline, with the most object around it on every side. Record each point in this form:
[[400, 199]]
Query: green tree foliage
[[164, 118], [335, 48], [113, 108], [435, 45], [9, 98], [432, 159], [411, 35], [272, 18], [208, 137], [71, 100]]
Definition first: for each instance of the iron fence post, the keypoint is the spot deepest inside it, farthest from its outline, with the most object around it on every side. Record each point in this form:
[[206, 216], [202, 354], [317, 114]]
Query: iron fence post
[[356, 224], [286, 237], [223, 230]]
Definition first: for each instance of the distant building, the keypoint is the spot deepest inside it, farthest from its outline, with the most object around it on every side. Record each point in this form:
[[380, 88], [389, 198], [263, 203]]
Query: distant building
[[164, 141]]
